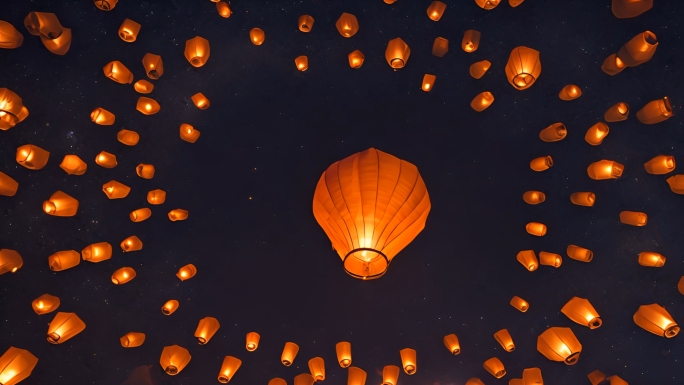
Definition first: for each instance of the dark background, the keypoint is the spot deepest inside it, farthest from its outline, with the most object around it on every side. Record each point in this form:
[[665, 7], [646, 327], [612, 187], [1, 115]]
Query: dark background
[[263, 262]]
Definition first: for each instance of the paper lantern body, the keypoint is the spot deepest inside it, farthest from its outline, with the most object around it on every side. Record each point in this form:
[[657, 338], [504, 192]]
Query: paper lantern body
[[197, 51], [207, 327], [63, 327], [356, 59], [317, 368], [639, 50], [625, 9], [105, 5], [12, 109], [128, 31], [131, 243], [495, 367], [536, 228], [102, 117], [519, 304], [200, 101], [651, 259], [73, 165], [356, 376], [579, 253], [143, 86], [8, 186], [61, 204], [676, 183], [302, 63], [478, 69], [140, 215], [10, 261], [344, 356], [634, 218], [252, 341], [156, 197], [452, 344], [570, 92], [582, 312], [44, 304], [186, 272], [106, 159], [289, 353], [154, 66], [9, 36], [174, 359], [655, 111], [178, 215], [428, 82], [257, 36], [16, 365], [471, 40], [132, 340], [123, 275], [170, 307], [550, 259], [228, 368], [347, 25], [128, 137], [32, 157], [436, 10], [482, 101], [655, 319], [487, 5], [147, 106], [617, 113], [440, 47], [115, 190], [596, 133], [661, 164], [390, 375], [503, 337], [523, 67], [528, 259], [188, 133], [408, 361], [224, 10], [613, 65], [605, 169], [534, 197], [63, 260], [305, 23], [559, 344], [397, 53], [118, 72], [97, 252], [542, 163]]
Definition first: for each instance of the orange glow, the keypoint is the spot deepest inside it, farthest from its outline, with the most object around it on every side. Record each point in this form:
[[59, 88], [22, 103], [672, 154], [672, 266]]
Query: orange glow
[[661, 164], [625, 9], [550, 259], [390, 375], [478, 69], [123, 275], [534, 197], [140, 215], [408, 361], [118, 72], [528, 259], [16, 365], [582, 312], [200, 101], [128, 31], [97, 252], [317, 368], [304, 379], [347, 25], [132, 340], [170, 307], [639, 49], [289, 353], [618, 112], [115, 190], [178, 215], [44, 304], [559, 344], [634, 218], [174, 359], [188, 133], [63, 327], [106, 159], [487, 5], [12, 110], [302, 63], [495, 367], [553, 133], [102, 117], [61, 204], [73, 165], [570, 92], [471, 40], [436, 10], [605, 169], [197, 51], [356, 59], [503, 337], [257, 36], [9, 36], [228, 368], [128, 137], [655, 111], [10, 261], [523, 67], [206, 328], [580, 253], [63, 260], [252, 341], [186, 272], [428, 82], [154, 66], [482, 101], [143, 87], [8, 186], [519, 304], [305, 23], [32, 157], [223, 9], [655, 319], [145, 171], [542, 163], [583, 198], [596, 133], [156, 197], [131, 243], [440, 47], [676, 183], [397, 53], [451, 343], [536, 228], [147, 106], [344, 357], [651, 259], [356, 376], [613, 65]]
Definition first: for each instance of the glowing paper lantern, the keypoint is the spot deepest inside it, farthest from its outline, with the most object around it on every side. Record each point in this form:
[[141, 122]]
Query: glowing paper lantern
[[639, 50], [515, 3], [118, 72], [570, 92], [252, 341], [128, 137], [63, 260], [9, 36], [436, 10], [382, 197], [495, 367], [553, 133], [63, 327], [115, 190], [661, 164], [532, 376], [186, 272], [207, 327], [154, 66], [302, 63], [16, 365], [277, 381], [356, 59], [8, 186], [197, 51], [408, 361], [559, 344], [344, 357], [397, 53], [487, 4], [61, 204], [257, 36], [12, 110], [390, 374], [304, 379], [680, 285], [580, 253], [542, 163], [105, 5], [170, 307], [475, 381], [605, 169], [347, 25], [102, 117], [613, 65], [97, 252], [73, 165], [523, 67], [156, 197], [582, 312], [651, 259], [676, 183], [32, 157], [550, 259], [200, 101], [471, 40], [123, 275], [317, 368], [534, 197], [633, 218], [132, 340], [54, 37], [536, 228], [596, 133], [228, 368], [59, 45], [147, 106], [655, 319], [140, 215], [356, 376], [519, 304], [617, 112], [188, 133], [145, 171], [305, 23], [440, 47], [106, 159], [625, 9], [482, 101], [655, 111], [478, 69], [44, 304], [223, 9], [10, 261], [428, 82], [503, 337], [143, 86], [128, 31], [178, 215], [131, 243], [451, 343], [289, 353], [583, 198], [174, 359], [528, 259]]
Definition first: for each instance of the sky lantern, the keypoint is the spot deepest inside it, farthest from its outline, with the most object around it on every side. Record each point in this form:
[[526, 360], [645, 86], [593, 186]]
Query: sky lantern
[[63, 327], [123, 275], [581, 311], [54, 37], [639, 50], [655, 111], [257, 36], [596, 133], [131, 243], [347, 25], [570, 92], [495, 367], [478, 69], [428, 82], [8, 186], [617, 113], [519, 303], [154, 66], [304, 379], [382, 198], [536, 228], [207, 327], [10, 261], [170, 307], [140, 215], [102, 117], [605, 169], [487, 4], [553, 133], [252, 341], [317, 368], [440, 47], [9, 36], [476, 381], [223, 9], [147, 106], [532, 376], [59, 45], [229, 366], [128, 31], [515, 3], [174, 359], [97, 252], [302, 63], [534, 197], [356, 59], [143, 86], [550, 259], [559, 344], [12, 109], [197, 51], [661, 164], [32, 156], [390, 375], [178, 215], [356, 376], [482, 101], [397, 53], [289, 353], [523, 67], [452, 344], [634, 218], [105, 5], [73, 165], [676, 183], [613, 65], [541, 163], [583, 198], [145, 171], [655, 319], [277, 381], [579, 253], [528, 259], [106, 159], [305, 23], [61, 204], [408, 361], [651, 259], [436, 10], [186, 272], [625, 9], [63, 260], [344, 355], [200, 101], [115, 190], [128, 137], [118, 72], [471, 40], [132, 340], [156, 197], [16, 365], [188, 133], [680, 285], [503, 337], [44, 304]]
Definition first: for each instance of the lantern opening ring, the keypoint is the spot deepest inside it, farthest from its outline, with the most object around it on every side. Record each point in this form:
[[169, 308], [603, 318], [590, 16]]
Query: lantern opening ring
[[373, 276]]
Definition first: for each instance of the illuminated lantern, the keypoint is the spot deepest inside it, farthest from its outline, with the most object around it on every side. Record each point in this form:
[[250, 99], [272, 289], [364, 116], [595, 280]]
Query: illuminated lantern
[[143, 86], [9, 36], [451, 343], [532, 376], [440, 47], [123, 275], [428, 82], [289, 353], [478, 69], [304, 379], [207, 327], [520, 304], [188, 133], [252, 341], [105, 5], [655, 111], [118, 72], [302, 63], [356, 376], [476, 381], [676, 183], [174, 359], [228, 368], [154, 66], [257, 36], [580, 253], [482, 101], [408, 360], [178, 215], [553, 133], [639, 50], [596, 377], [580, 310], [550, 259], [170, 307], [145, 171], [156, 197], [73, 165], [534, 197], [317, 368], [106, 159], [661, 164], [32, 157], [655, 319], [617, 112], [680, 285], [347, 25], [536, 228], [44, 304], [200, 101], [59, 45], [61, 204], [344, 357], [390, 2], [487, 5], [277, 381], [132, 339], [369, 180], [515, 3], [356, 59], [128, 137], [147, 106], [197, 51], [12, 110], [605, 169], [523, 67], [613, 65], [559, 344], [495, 367], [397, 53], [16, 365], [10, 261], [115, 190], [651, 259], [471, 40], [583, 198], [503, 337], [102, 117], [633, 218], [131, 243], [54, 37], [625, 9], [528, 259], [570, 92], [140, 215], [63, 260], [390, 375], [542, 163], [186, 272], [596, 133], [97, 252], [8, 186], [436, 10], [305, 23], [128, 31], [223, 9], [63, 327]]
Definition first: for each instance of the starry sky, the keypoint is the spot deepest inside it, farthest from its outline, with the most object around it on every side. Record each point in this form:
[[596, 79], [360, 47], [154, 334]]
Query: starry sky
[[263, 262]]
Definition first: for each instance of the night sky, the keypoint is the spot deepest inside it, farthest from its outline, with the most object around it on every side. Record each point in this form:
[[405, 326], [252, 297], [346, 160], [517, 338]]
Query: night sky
[[263, 262]]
